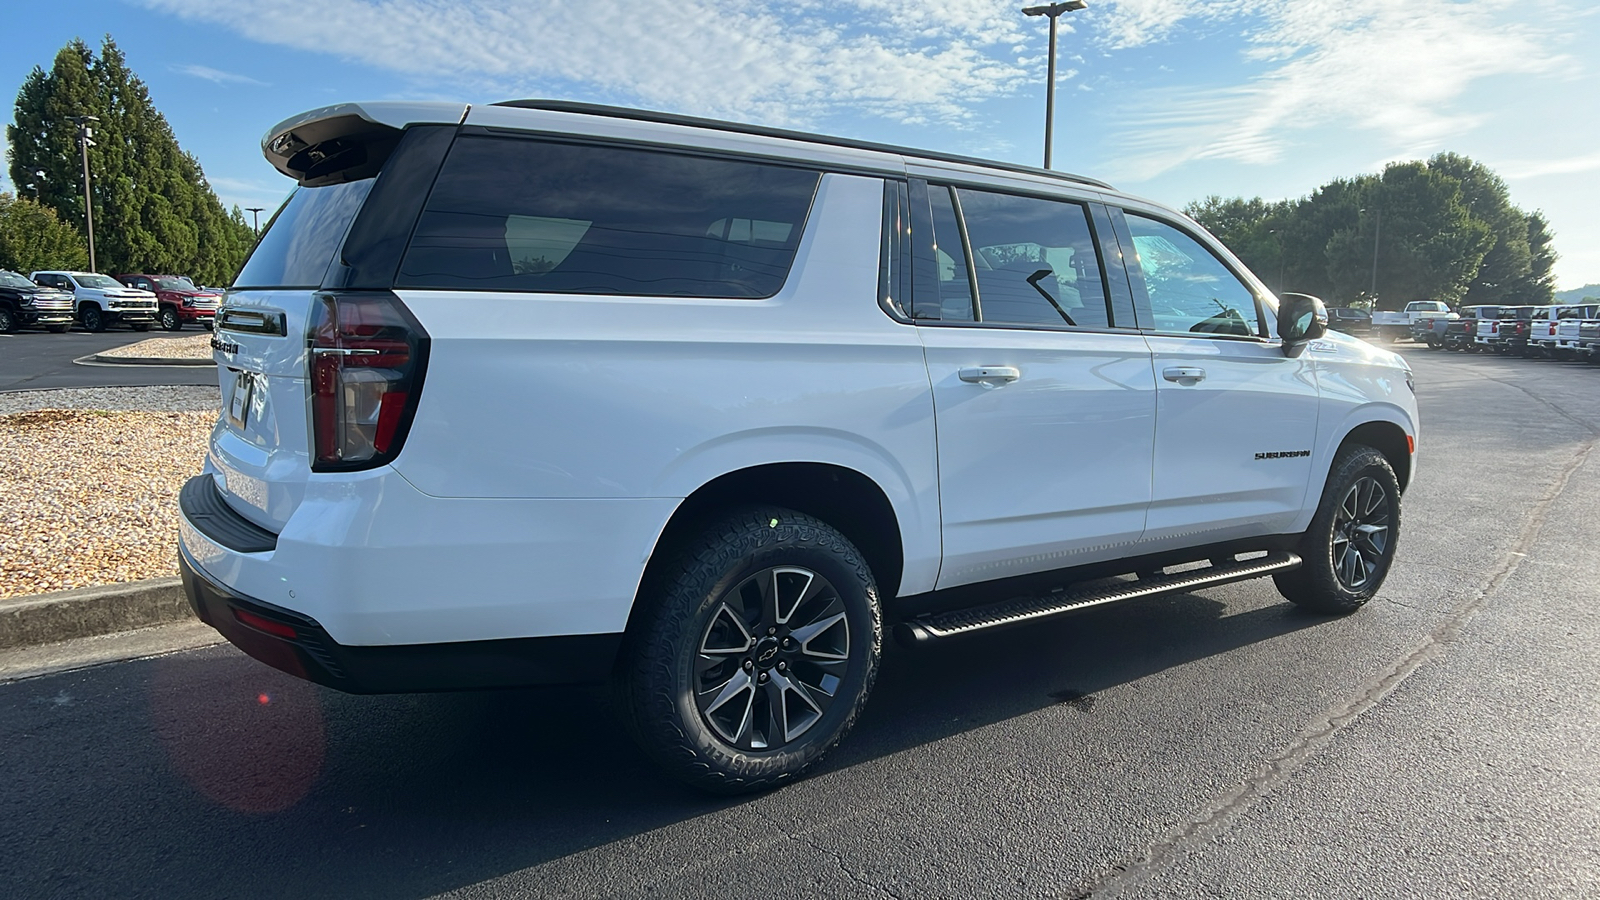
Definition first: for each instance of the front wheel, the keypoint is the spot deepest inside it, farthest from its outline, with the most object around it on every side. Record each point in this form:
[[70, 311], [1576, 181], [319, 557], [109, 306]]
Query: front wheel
[[755, 652], [8, 321], [169, 319], [92, 318], [1347, 551]]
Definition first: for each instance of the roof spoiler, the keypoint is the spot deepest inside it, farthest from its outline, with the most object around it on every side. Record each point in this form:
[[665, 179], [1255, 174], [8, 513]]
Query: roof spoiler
[[349, 141]]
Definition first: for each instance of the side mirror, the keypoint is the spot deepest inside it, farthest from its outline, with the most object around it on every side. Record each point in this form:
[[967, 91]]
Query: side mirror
[[1301, 319]]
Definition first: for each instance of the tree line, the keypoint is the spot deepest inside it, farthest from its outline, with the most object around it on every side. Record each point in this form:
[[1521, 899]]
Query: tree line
[[1444, 229], [153, 208]]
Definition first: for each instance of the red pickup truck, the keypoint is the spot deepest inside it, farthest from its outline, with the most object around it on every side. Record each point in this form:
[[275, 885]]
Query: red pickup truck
[[180, 301]]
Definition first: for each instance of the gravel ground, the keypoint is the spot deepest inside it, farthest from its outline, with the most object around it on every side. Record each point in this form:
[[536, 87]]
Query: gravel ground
[[196, 347], [89, 491], [162, 399]]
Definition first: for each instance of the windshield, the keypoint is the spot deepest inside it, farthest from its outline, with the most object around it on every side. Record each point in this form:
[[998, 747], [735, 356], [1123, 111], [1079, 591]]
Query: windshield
[[13, 280], [175, 284], [96, 281]]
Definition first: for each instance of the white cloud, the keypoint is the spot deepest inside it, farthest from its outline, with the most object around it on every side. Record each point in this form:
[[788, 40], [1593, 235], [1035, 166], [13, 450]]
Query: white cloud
[[1402, 68], [767, 61], [1536, 168], [216, 76]]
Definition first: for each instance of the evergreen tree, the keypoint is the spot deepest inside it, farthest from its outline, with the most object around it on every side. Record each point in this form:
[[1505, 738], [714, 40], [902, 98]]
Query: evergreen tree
[[33, 237], [153, 210]]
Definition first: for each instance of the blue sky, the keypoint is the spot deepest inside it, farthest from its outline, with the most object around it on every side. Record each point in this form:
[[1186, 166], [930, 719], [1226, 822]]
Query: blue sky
[[1170, 99]]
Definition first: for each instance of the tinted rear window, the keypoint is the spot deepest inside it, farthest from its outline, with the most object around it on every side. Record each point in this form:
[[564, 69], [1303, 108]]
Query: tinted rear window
[[300, 240], [525, 215]]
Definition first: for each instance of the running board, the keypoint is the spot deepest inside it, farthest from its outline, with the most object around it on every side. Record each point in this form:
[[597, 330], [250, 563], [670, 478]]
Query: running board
[[937, 626]]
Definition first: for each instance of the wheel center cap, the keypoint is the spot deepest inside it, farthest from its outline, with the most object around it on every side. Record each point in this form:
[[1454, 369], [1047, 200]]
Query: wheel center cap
[[766, 652]]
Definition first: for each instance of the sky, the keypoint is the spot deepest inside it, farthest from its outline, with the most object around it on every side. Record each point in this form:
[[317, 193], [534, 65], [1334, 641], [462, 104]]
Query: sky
[[1172, 100]]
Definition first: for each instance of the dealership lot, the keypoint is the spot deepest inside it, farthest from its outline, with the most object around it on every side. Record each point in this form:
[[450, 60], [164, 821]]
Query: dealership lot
[[1441, 742]]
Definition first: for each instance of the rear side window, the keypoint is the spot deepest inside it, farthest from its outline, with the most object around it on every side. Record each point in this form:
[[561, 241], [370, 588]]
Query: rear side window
[[1035, 261], [516, 214], [300, 240]]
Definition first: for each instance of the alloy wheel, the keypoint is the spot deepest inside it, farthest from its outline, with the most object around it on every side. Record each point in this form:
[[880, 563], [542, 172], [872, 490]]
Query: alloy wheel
[[772, 658], [1361, 533]]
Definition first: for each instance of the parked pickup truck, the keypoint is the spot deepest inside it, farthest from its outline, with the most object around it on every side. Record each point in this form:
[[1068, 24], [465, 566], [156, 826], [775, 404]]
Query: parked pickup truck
[[1588, 344], [1516, 325], [1432, 330], [180, 300], [1557, 338], [24, 303], [1397, 325], [102, 300]]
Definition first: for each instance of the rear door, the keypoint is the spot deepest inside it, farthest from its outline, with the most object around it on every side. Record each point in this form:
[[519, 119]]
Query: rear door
[[1236, 420], [1043, 393]]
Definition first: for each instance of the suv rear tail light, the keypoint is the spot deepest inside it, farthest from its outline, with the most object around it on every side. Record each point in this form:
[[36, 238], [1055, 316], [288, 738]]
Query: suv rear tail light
[[368, 354]]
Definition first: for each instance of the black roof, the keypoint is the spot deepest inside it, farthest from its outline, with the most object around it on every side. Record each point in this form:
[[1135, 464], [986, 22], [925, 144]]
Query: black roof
[[645, 115]]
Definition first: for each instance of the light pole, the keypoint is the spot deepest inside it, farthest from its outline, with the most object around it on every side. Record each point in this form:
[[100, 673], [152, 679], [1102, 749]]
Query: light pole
[[255, 214], [85, 141], [1377, 232], [1054, 11]]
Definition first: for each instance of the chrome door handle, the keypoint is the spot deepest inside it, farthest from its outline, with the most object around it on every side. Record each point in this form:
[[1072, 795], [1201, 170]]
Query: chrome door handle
[[990, 376], [1184, 374]]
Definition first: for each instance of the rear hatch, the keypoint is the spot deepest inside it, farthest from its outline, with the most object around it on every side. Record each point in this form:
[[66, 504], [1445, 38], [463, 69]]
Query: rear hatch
[[262, 447]]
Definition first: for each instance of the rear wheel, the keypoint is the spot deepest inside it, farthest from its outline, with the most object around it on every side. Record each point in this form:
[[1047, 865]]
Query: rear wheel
[[92, 318], [755, 653], [1347, 551]]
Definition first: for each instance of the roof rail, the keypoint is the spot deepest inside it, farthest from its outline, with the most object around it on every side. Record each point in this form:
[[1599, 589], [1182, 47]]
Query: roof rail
[[645, 115]]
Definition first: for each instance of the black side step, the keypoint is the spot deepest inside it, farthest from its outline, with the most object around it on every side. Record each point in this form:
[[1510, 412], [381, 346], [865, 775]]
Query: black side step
[[937, 626]]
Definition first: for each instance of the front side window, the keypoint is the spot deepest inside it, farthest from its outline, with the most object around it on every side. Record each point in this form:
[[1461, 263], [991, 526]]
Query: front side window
[[1035, 260], [1191, 291], [526, 215]]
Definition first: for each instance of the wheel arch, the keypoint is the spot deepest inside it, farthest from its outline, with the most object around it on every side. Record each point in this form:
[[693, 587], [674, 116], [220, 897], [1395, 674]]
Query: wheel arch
[[842, 497], [1387, 438]]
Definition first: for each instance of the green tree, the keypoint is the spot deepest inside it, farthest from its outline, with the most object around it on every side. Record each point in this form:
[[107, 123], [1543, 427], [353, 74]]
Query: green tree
[[153, 209], [33, 237]]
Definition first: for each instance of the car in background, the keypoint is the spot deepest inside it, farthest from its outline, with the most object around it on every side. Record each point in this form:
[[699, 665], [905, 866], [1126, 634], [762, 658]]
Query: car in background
[[24, 303], [103, 301], [1397, 325], [1349, 320], [180, 300]]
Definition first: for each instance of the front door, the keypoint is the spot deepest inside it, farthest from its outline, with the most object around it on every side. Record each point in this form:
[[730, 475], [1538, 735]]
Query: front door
[[1045, 407], [1235, 418]]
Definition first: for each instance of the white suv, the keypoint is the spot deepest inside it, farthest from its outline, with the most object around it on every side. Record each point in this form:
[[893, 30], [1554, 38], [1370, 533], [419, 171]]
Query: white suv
[[542, 392], [102, 300]]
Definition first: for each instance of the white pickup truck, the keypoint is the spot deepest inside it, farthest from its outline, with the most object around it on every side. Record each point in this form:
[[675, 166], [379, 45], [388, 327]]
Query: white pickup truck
[[1397, 325], [1558, 337]]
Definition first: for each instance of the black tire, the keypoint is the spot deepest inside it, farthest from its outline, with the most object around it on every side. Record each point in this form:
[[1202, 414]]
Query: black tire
[[706, 637], [170, 320], [92, 318], [62, 328], [1344, 559], [1433, 344], [139, 326], [8, 321]]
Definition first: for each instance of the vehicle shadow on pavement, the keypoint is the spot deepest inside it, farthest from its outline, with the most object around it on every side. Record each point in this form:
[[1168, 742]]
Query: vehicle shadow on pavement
[[228, 778]]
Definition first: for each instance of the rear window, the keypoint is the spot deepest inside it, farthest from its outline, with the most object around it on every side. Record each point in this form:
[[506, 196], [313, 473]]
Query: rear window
[[515, 214], [302, 236]]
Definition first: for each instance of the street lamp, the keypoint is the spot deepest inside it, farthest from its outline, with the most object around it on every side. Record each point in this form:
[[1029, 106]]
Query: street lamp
[[85, 141], [255, 214], [1054, 11]]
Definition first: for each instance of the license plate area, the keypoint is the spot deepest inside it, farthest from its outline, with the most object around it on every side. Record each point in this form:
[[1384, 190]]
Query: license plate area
[[239, 399]]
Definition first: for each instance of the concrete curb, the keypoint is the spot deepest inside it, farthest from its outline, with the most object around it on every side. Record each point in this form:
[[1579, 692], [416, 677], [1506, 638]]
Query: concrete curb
[[86, 612], [100, 359]]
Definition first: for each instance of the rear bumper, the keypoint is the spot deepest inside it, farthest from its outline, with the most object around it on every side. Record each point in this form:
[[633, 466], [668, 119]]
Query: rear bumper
[[310, 653]]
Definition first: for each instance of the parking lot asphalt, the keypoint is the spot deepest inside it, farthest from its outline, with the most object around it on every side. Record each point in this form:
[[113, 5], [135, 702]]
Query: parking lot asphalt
[[1442, 742], [33, 360]]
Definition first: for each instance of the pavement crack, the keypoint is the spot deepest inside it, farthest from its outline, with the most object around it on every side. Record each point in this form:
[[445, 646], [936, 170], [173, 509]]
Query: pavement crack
[[1222, 810], [804, 837]]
